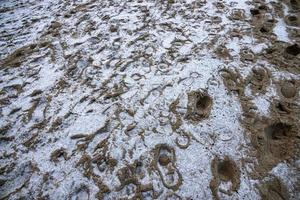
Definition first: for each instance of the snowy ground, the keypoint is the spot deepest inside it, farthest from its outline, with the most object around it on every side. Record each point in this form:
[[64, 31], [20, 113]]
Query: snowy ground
[[94, 99]]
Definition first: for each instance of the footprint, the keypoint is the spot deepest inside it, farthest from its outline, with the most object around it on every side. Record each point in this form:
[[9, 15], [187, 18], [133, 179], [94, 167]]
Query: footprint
[[292, 20], [273, 188], [225, 173], [279, 140], [259, 80], [199, 105], [288, 90], [165, 164], [277, 131]]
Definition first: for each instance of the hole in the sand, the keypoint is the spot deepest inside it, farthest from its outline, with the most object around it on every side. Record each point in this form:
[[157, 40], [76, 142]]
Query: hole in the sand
[[262, 7], [293, 50], [19, 54], [254, 11], [226, 170], [199, 105], [288, 90], [292, 18], [278, 130], [280, 107], [270, 51], [263, 30], [203, 102]]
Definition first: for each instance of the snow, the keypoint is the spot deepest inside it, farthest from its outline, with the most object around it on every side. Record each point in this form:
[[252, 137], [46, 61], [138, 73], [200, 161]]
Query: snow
[[280, 31], [143, 58]]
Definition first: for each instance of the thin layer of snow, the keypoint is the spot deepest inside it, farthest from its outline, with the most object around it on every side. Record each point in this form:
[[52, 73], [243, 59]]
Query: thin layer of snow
[[143, 59]]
